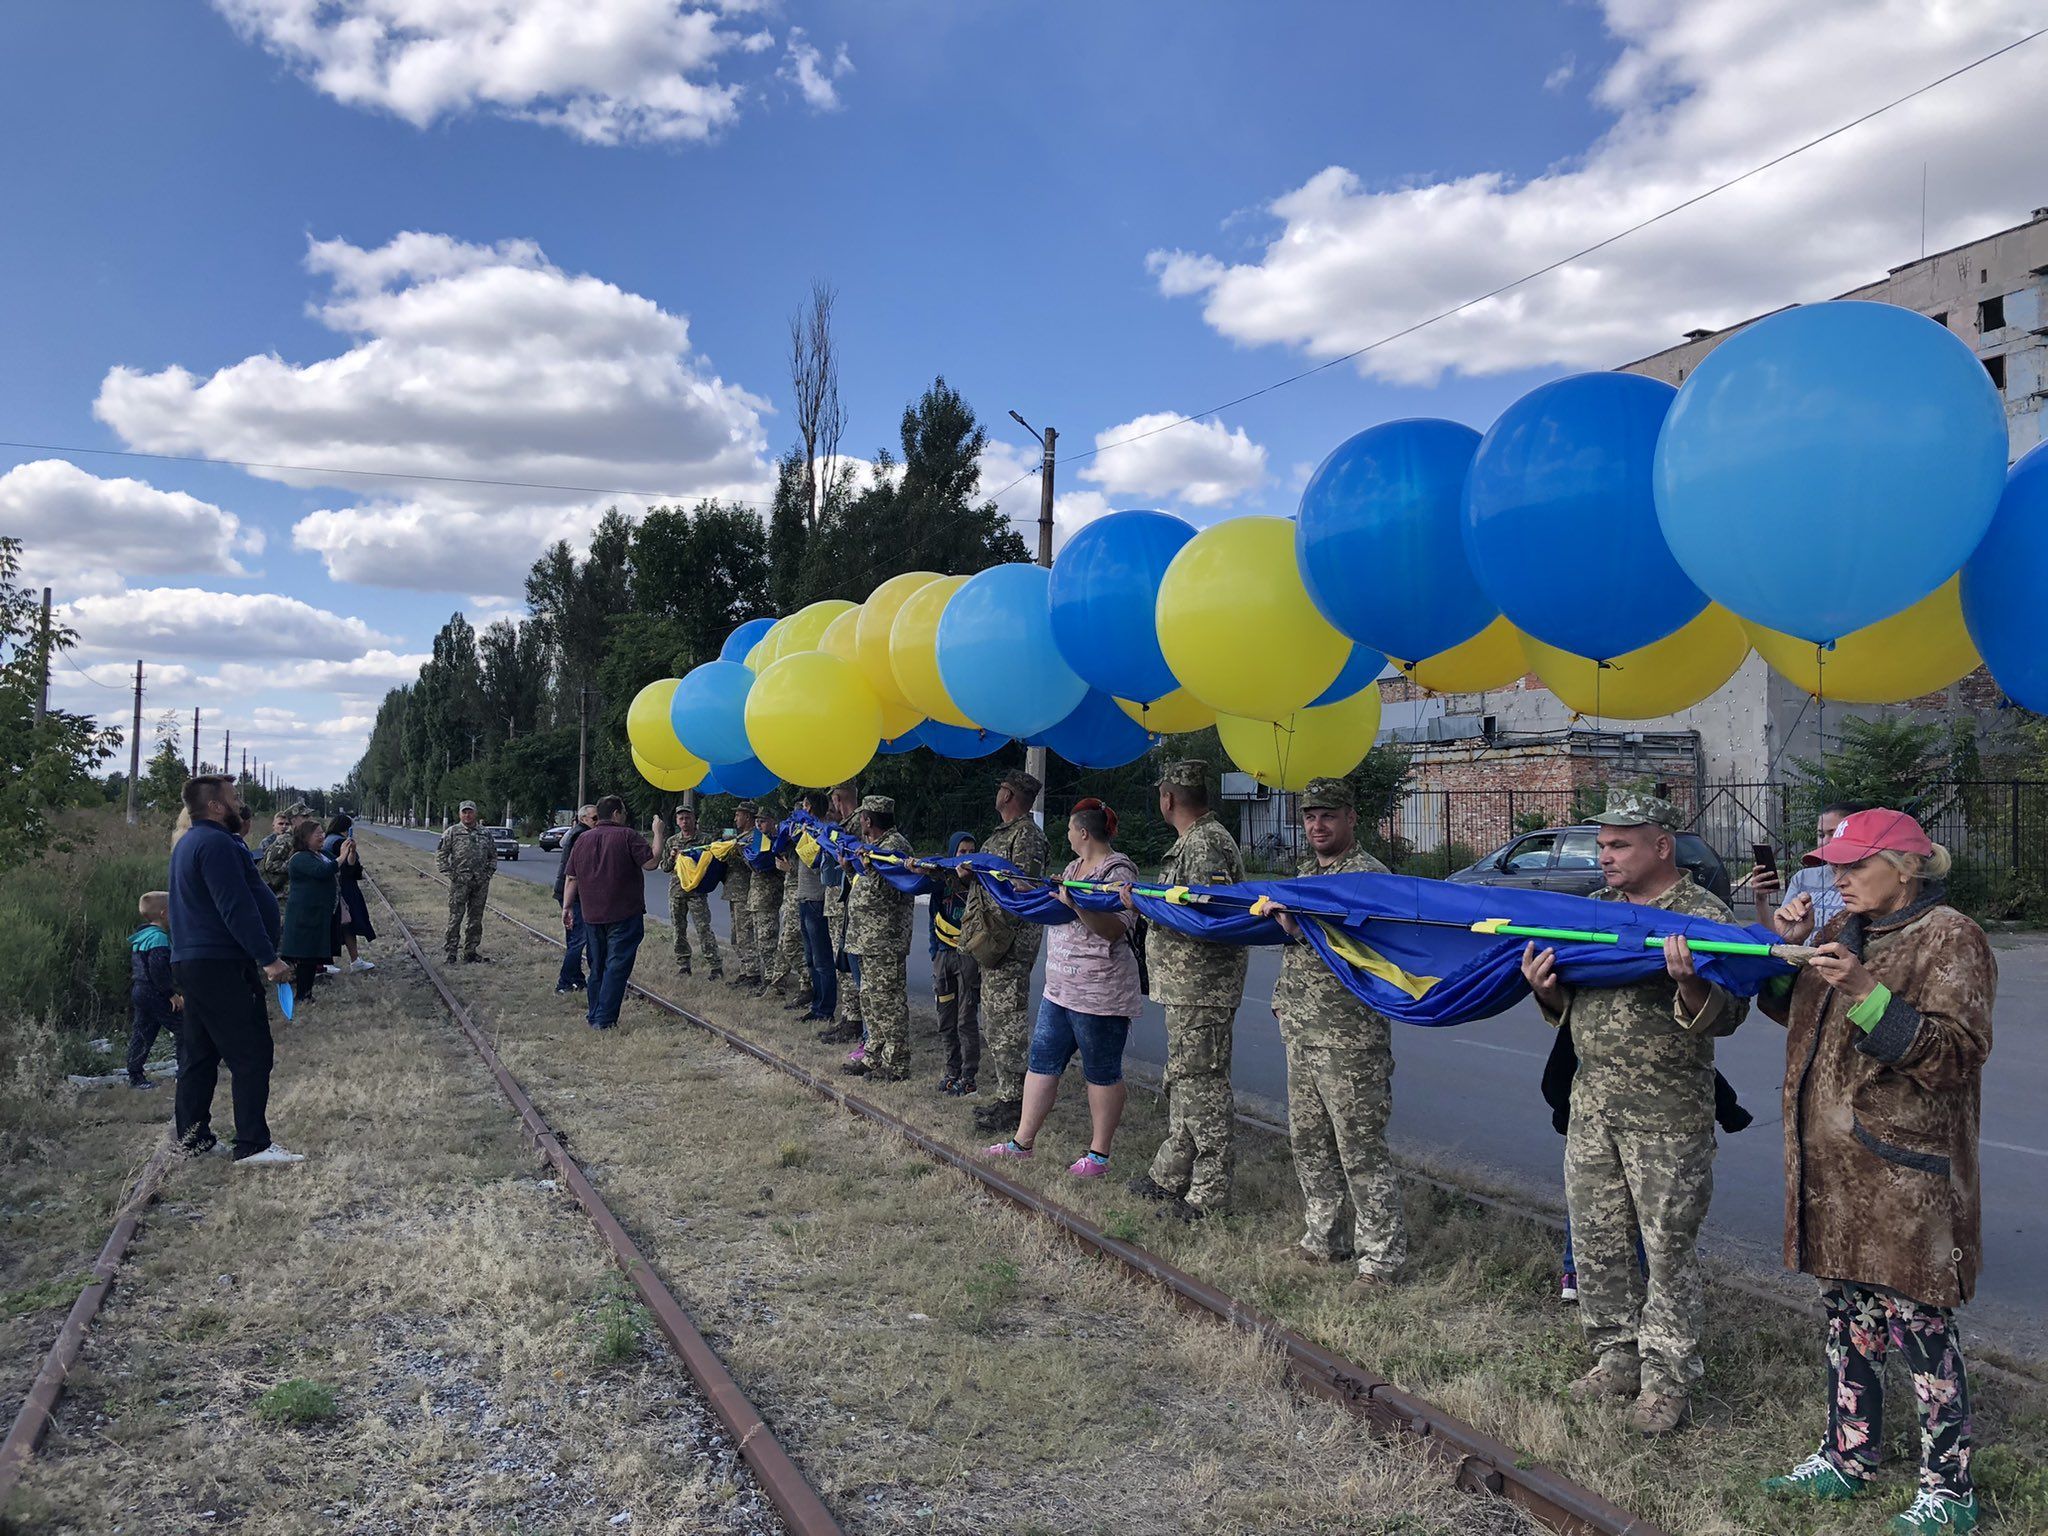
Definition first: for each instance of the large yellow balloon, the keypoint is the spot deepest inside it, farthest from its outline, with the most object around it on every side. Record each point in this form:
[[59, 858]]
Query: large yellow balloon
[[1660, 679], [651, 735], [768, 649], [1490, 659], [812, 720], [1309, 744], [871, 633], [1918, 650], [914, 652], [839, 636], [1178, 711], [1236, 625], [674, 779], [806, 627]]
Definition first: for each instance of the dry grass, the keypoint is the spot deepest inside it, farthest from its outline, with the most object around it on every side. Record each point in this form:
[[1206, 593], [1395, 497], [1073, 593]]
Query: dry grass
[[1476, 1330]]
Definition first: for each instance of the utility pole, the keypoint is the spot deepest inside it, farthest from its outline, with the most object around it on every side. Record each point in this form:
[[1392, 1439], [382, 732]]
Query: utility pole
[[135, 743], [245, 766], [1034, 757], [582, 739], [43, 655], [227, 738], [195, 741]]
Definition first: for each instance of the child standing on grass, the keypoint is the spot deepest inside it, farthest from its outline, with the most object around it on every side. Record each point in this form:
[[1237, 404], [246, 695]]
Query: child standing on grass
[[152, 995]]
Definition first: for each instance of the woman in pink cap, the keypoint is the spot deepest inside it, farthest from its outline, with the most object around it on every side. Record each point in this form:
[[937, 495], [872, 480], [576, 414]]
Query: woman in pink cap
[[1887, 1030]]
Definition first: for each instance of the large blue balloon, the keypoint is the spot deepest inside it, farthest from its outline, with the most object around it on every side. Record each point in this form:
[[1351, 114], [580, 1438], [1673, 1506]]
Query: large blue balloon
[[1560, 522], [744, 639], [997, 657], [958, 742], [1831, 465], [1381, 544], [909, 741], [1360, 672], [709, 785], [1104, 592], [2005, 586], [709, 712], [746, 777], [1096, 735]]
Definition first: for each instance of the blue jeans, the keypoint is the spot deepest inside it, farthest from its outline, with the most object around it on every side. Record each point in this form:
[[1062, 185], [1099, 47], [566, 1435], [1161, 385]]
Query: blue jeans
[[1571, 1260], [818, 959], [1099, 1037], [572, 954], [612, 948]]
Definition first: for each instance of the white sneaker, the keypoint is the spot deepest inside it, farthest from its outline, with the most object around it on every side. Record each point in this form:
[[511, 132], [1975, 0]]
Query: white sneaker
[[330, 970], [272, 1156], [363, 965]]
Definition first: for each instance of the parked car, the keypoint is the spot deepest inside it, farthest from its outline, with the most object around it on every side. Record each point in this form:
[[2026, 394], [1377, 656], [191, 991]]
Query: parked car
[[551, 839], [1568, 859], [503, 840]]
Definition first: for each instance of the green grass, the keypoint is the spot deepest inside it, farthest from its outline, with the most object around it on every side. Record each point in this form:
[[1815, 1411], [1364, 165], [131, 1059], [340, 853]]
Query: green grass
[[297, 1402], [60, 1292], [619, 1323]]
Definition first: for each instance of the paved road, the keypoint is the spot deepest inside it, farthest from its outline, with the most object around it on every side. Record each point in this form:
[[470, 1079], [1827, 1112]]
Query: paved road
[[1467, 1098]]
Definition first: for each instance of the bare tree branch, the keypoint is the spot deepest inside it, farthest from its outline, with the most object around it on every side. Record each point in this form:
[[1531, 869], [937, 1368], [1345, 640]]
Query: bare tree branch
[[814, 384]]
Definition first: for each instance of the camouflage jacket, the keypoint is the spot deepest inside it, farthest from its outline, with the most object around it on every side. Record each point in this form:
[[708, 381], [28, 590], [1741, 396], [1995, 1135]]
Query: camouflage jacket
[[1188, 970], [877, 914], [1643, 1064], [739, 874], [1022, 841], [1313, 1006], [466, 853], [273, 864]]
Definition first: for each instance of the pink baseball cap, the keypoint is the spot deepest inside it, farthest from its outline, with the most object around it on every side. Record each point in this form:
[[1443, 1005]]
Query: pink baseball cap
[[1859, 835]]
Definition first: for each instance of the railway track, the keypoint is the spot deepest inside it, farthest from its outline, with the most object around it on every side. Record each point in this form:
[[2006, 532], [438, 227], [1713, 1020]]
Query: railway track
[[1480, 1464]]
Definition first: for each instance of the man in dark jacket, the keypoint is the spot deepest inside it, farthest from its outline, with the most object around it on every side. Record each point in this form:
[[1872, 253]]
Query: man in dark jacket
[[224, 933]]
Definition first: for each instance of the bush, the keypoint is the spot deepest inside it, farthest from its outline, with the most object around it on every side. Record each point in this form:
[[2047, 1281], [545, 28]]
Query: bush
[[297, 1402]]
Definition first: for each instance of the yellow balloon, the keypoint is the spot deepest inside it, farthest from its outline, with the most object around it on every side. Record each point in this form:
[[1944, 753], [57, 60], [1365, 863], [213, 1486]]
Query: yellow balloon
[[675, 779], [1918, 650], [1309, 744], [839, 635], [811, 720], [914, 652], [768, 649], [651, 735], [1660, 679], [1178, 711], [1490, 659], [1236, 625], [871, 634], [807, 626]]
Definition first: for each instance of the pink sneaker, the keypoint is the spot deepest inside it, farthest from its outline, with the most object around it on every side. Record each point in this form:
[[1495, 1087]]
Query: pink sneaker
[[1089, 1166], [856, 1056], [1008, 1149]]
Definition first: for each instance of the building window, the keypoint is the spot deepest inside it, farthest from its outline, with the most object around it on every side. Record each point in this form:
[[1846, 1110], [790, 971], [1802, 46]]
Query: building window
[[1983, 274], [1940, 319], [1995, 366], [1991, 314]]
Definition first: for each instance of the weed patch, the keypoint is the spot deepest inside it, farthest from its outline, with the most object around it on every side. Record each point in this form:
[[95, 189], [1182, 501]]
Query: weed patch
[[298, 1402]]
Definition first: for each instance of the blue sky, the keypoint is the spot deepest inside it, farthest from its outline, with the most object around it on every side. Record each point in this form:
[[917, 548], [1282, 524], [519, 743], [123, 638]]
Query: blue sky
[[1088, 213]]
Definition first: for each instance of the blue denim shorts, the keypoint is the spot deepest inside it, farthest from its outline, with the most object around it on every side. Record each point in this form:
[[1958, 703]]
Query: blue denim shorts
[[1099, 1037]]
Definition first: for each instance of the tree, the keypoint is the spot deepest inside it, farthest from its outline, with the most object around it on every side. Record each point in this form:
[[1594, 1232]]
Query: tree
[[163, 776], [513, 681], [814, 387], [705, 569], [789, 531]]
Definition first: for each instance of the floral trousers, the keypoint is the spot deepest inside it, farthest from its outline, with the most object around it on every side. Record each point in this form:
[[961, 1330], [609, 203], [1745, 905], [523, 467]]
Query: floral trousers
[[1865, 1324]]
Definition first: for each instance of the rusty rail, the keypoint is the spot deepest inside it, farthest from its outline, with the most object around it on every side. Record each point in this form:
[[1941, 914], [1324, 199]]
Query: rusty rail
[[1479, 1462], [786, 1488]]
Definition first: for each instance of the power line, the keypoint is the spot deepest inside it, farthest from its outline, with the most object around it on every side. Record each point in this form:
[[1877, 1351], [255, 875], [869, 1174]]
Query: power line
[[74, 666]]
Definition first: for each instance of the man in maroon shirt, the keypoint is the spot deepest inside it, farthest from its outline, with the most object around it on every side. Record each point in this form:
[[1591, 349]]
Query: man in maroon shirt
[[602, 878]]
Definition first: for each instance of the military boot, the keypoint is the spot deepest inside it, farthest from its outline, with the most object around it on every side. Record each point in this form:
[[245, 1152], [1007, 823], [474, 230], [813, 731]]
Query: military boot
[[1606, 1381], [1659, 1413]]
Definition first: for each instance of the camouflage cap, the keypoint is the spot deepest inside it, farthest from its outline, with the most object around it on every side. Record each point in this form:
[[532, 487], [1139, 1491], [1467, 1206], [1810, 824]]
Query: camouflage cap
[[748, 806], [877, 805], [1185, 773], [1328, 795], [297, 808], [1634, 808], [467, 805], [1026, 786]]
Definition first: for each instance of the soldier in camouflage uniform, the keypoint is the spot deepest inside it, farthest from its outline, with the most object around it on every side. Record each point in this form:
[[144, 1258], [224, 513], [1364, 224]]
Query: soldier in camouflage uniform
[[1340, 1071], [1006, 1012], [847, 1027], [278, 848], [469, 858], [1199, 985], [788, 960], [687, 907], [1639, 1153], [764, 908], [739, 893], [878, 923]]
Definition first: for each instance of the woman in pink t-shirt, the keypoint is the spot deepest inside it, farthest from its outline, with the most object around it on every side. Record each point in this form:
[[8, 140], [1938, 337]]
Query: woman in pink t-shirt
[[1091, 995]]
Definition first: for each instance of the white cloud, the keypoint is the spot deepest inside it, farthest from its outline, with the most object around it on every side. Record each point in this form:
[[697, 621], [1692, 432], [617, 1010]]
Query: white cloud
[[606, 71], [369, 675], [814, 76], [1203, 463], [478, 361], [1009, 476], [93, 533], [1560, 77], [1700, 93], [192, 622]]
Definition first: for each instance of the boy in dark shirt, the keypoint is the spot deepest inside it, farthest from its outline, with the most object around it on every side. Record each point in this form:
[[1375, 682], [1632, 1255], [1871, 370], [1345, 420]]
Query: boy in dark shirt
[[152, 995]]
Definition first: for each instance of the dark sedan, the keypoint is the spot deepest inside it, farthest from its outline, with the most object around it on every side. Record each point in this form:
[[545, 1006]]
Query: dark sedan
[[551, 839], [502, 840], [1568, 859]]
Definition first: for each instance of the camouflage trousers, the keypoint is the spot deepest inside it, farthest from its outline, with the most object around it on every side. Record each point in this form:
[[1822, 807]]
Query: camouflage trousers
[[1618, 1182], [788, 960], [888, 1015], [1199, 1155], [466, 897], [1006, 1020], [835, 925], [745, 957], [764, 911], [1338, 1100], [686, 908]]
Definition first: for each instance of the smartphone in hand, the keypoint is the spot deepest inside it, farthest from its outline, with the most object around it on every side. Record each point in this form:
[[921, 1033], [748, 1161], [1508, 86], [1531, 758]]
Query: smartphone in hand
[[1766, 856]]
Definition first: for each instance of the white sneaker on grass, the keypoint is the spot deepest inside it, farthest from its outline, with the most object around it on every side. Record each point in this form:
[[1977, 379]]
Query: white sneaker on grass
[[363, 965], [330, 970], [272, 1156]]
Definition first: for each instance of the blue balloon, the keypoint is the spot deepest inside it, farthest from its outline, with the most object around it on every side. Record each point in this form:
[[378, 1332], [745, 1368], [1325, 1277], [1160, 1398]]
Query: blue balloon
[[1831, 465], [709, 785], [1381, 544], [909, 741], [1104, 593], [709, 712], [1560, 522], [1361, 671], [1096, 735], [958, 742], [745, 777], [997, 656], [2005, 586], [744, 639]]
